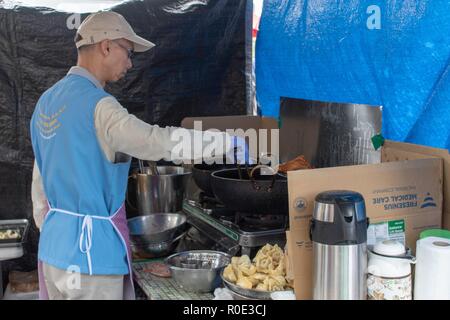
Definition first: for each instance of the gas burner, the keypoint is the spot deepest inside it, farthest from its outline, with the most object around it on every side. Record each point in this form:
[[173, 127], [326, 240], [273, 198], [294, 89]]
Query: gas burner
[[249, 222], [261, 222], [234, 231], [241, 220], [208, 202]]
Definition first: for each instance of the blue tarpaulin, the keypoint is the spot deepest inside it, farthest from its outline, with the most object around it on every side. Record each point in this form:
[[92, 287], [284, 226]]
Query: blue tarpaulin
[[394, 53]]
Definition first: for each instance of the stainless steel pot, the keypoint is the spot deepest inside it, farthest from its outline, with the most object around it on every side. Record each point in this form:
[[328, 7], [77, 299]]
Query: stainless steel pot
[[163, 192]]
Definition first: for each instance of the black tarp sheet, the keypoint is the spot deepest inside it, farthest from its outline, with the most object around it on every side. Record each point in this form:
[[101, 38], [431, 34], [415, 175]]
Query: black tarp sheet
[[196, 69]]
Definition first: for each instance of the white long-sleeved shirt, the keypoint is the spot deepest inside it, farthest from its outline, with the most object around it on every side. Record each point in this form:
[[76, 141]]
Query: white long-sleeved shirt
[[122, 135]]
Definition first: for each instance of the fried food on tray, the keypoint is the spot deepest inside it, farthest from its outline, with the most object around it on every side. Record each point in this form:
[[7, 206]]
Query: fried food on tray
[[298, 163], [9, 234], [266, 272], [228, 273]]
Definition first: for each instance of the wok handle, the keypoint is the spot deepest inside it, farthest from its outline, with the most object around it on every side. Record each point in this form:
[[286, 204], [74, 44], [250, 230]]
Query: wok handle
[[239, 171], [254, 184], [179, 237], [153, 167]]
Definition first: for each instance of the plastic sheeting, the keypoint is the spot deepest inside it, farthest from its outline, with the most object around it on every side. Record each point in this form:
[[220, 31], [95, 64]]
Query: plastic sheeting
[[198, 68], [394, 53]]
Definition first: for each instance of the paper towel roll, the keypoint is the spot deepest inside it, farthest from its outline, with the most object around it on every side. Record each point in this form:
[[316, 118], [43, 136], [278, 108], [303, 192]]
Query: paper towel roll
[[432, 276]]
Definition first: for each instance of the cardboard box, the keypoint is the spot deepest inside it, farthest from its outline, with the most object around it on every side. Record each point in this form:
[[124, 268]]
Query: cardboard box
[[394, 151], [405, 193], [287, 255], [300, 256]]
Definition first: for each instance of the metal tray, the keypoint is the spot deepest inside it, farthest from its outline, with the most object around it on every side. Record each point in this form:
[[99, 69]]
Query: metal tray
[[247, 293], [237, 296], [19, 225]]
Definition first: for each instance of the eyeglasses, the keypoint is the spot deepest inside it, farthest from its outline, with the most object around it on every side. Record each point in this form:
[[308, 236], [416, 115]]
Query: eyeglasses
[[130, 52]]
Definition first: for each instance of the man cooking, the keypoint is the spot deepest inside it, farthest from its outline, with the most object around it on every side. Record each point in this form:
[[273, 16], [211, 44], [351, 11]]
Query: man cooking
[[83, 140]]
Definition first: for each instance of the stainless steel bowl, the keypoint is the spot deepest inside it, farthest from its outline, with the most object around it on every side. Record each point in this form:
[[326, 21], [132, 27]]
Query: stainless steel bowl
[[155, 228], [250, 294], [155, 250], [198, 270]]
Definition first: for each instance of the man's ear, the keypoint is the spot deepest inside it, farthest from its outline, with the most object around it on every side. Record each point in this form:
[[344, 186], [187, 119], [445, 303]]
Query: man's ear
[[104, 47]]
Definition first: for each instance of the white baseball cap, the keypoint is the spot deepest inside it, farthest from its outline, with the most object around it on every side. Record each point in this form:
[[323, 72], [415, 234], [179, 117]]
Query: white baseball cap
[[109, 25]]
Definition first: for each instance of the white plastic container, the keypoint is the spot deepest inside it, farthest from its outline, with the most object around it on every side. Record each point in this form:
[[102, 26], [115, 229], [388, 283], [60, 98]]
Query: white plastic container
[[389, 272]]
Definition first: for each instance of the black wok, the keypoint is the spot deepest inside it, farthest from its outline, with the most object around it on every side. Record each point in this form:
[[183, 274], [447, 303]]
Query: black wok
[[202, 175], [263, 194]]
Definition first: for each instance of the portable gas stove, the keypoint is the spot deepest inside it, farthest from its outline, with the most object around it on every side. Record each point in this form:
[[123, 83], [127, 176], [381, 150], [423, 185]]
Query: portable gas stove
[[235, 232]]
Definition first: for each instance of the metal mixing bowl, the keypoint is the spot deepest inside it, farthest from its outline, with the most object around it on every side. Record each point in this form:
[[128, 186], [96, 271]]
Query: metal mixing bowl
[[155, 250], [155, 228], [198, 270], [247, 294]]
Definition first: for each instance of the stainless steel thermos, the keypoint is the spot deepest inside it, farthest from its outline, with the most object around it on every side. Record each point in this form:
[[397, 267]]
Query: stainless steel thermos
[[339, 237]]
